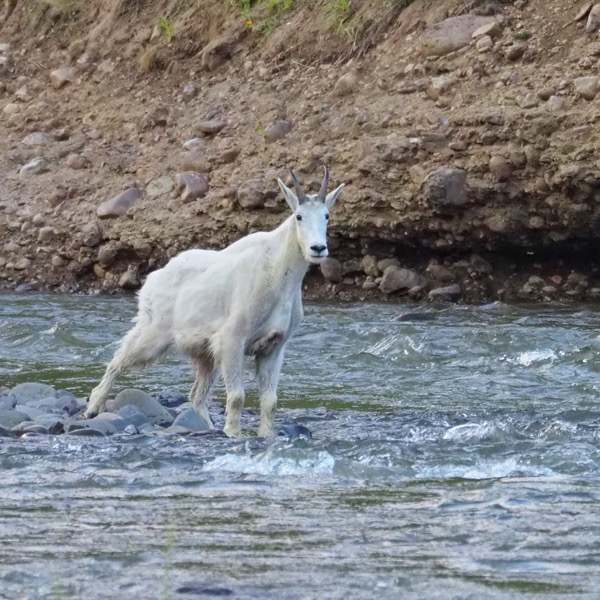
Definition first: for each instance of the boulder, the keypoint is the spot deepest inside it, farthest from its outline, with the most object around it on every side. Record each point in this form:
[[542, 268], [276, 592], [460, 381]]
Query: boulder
[[446, 187], [396, 278], [191, 420], [157, 414], [192, 185], [451, 34]]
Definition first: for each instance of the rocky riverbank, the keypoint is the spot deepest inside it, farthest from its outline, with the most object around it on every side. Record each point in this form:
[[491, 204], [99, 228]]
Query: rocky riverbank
[[465, 133], [34, 409]]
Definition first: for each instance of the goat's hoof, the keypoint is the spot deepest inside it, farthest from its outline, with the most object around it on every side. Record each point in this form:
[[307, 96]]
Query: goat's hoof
[[90, 414], [232, 432]]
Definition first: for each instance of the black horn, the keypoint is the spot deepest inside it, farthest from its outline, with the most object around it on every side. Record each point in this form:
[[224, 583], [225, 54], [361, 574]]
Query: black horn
[[299, 191], [323, 191]]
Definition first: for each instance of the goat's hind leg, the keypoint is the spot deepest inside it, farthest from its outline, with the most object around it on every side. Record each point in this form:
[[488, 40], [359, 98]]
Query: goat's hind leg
[[206, 373], [143, 345]]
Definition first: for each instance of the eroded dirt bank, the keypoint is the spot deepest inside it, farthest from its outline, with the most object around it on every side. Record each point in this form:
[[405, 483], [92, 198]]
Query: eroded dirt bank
[[469, 146]]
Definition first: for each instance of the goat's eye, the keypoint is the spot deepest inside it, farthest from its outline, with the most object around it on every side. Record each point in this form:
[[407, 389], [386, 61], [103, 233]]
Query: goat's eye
[[327, 217], [298, 217]]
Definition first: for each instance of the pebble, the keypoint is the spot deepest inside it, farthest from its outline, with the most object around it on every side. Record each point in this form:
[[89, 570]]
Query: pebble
[[159, 187], [251, 194], [396, 279], [586, 87], [346, 84], [119, 204], [277, 131], [446, 187], [449, 293], [35, 167], [192, 185], [210, 126], [62, 76]]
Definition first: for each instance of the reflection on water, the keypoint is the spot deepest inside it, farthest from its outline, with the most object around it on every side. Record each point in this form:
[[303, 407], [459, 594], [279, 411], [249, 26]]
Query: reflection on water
[[455, 455]]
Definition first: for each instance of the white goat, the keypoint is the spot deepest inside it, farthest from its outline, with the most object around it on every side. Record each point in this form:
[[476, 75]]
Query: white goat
[[217, 306]]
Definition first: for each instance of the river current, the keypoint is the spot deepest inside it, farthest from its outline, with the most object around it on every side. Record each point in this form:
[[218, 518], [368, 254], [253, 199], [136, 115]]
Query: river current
[[455, 455]]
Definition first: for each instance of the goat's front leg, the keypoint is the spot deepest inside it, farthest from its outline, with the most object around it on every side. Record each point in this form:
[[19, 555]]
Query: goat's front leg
[[232, 365], [268, 368]]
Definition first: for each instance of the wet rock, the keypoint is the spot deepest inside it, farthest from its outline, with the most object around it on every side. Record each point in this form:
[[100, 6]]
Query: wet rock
[[7, 401], [451, 34], [131, 430], [500, 168], [586, 87], [133, 416], [449, 293], [201, 589], [251, 194], [593, 22], [37, 138], [11, 418], [120, 204], [28, 427], [28, 392], [85, 432], [331, 268], [54, 424], [191, 420], [159, 187], [277, 131], [192, 185], [157, 414], [6, 433], [169, 398], [35, 167], [62, 76], [107, 423], [396, 279], [346, 84], [293, 431], [210, 126], [446, 187]]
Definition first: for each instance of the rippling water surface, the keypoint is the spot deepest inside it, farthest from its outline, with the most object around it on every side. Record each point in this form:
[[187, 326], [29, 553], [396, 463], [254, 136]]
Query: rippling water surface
[[455, 455]]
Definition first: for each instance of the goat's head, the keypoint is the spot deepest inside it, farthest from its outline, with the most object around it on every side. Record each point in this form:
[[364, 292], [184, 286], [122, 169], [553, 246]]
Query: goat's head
[[311, 212]]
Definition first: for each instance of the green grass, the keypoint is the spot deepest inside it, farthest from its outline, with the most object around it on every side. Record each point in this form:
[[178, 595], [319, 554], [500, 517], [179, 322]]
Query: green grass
[[261, 22], [522, 35], [166, 27]]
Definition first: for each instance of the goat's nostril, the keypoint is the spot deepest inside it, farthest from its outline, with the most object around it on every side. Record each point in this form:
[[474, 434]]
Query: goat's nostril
[[318, 249]]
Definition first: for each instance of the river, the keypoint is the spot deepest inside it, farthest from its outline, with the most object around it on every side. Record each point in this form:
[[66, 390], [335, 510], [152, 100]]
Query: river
[[455, 455]]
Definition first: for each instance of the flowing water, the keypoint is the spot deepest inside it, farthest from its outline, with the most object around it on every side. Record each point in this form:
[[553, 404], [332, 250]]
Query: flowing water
[[455, 455]]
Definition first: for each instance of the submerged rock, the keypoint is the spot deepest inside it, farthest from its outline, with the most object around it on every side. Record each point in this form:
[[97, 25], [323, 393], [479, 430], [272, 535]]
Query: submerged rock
[[151, 407], [293, 431], [191, 420]]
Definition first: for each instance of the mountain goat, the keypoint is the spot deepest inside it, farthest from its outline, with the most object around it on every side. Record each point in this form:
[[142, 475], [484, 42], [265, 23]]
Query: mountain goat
[[217, 306]]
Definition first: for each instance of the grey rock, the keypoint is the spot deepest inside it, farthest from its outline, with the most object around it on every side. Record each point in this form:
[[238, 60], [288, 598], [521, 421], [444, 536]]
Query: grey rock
[[37, 138], [54, 424], [129, 280], [210, 126], [159, 187], [449, 293], [169, 398], [157, 414], [131, 429], [76, 162], [22, 264], [6, 433], [46, 234], [28, 427], [132, 416], [31, 411], [62, 76], [85, 432], [346, 84], [251, 194], [586, 87], [177, 430], [440, 272], [192, 185], [451, 34], [195, 144], [277, 130], [120, 204], [294, 430], [331, 268], [593, 22], [91, 235], [26, 392], [396, 279], [500, 168], [7, 401], [217, 52], [480, 266], [35, 167], [191, 420], [190, 91], [369, 265], [446, 187], [516, 51], [10, 418], [107, 423], [383, 264]]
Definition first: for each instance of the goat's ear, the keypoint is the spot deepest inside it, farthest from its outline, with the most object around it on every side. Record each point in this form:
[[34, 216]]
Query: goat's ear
[[333, 196], [290, 197]]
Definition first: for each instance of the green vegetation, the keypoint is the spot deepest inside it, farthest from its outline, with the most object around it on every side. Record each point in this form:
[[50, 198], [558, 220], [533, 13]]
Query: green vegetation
[[262, 16], [522, 35], [166, 27]]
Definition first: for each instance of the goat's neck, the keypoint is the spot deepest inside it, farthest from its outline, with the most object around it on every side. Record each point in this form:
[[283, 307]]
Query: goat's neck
[[289, 264]]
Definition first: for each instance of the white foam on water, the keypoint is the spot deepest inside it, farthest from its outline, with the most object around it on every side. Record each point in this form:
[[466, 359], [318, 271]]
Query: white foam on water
[[532, 357], [484, 470], [273, 464]]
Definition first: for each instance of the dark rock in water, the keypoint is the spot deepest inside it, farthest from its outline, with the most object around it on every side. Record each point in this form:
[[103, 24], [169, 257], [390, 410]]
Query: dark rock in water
[[11, 418], [415, 317], [28, 427], [7, 401], [61, 405], [293, 431], [191, 420], [157, 413], [85, 433], [199, 589], [26, 392], [107, 423], [169, 398], [53, 423], [4, 432], [132, 416]]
